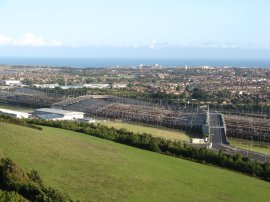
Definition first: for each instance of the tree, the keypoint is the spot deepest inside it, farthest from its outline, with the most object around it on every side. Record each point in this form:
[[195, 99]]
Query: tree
[[27, 81], [198, 93], [34, 175]]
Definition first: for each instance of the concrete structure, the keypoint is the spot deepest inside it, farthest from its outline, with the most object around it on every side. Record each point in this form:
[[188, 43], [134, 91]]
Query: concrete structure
[[10, 82], [87, 120], [15, 114], [58, 114]]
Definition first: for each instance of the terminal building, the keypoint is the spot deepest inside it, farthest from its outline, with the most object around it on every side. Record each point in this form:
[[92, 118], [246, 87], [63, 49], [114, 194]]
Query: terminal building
[[15, 114], [58, 114]]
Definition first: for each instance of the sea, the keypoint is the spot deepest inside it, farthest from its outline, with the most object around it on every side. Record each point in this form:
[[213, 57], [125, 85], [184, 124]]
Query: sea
[[114, 62]]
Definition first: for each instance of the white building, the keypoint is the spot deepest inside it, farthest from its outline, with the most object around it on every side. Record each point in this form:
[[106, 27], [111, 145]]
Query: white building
[[10, 82], [58, 114], [47, 85], [97, 85], [119, 85], [15, 114], [71, 87]]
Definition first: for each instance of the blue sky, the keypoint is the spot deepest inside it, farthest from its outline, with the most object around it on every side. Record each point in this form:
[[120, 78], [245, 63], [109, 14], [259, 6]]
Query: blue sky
[[141, 28]]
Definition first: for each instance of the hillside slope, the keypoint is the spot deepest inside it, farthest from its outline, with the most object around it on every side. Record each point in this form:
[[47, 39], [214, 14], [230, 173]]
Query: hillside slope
[[86, 167]]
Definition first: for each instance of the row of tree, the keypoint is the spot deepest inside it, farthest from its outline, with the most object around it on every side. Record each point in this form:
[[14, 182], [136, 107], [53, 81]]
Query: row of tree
[[20, 122]]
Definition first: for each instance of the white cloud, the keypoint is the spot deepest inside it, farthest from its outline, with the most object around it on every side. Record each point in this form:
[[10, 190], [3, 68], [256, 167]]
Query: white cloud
[[4, 40], [28, 39], [152, 44]]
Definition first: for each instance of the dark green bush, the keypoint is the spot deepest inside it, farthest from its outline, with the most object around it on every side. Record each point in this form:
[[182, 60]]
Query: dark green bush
[[28, 185], [16, 121], [11, 196]]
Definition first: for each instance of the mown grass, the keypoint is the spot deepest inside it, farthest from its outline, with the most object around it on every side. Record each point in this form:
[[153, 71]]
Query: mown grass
[[260, 147], [157, 132], [99, 170]]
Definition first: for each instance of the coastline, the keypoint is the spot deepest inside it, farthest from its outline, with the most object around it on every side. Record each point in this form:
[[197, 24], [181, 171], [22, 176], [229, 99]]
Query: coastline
[[114, 62]]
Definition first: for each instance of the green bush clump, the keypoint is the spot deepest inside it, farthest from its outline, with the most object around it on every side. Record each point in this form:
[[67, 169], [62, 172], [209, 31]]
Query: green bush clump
[[11, 196], [20, 184], [16, 121]]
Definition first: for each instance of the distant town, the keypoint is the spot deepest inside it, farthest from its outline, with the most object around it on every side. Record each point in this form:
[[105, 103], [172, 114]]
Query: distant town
[[211, 104], [216, 85]]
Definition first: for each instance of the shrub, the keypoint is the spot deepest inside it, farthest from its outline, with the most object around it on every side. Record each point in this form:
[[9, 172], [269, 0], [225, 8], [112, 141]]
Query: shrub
[[11, 197], [28, 185]]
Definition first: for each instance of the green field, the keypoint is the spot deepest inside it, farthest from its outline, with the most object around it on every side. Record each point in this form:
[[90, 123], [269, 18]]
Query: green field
[[260, 147], [157, 132], [99, 170]]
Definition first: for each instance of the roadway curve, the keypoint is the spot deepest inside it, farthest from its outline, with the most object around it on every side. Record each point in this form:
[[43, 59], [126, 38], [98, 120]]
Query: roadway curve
[[219, 141]]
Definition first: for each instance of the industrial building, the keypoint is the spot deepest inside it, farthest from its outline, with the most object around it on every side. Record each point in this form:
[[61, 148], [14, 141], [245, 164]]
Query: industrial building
[[97, 85], [10, 83], [71, 87], [47, 85], [15, 114], [58, 114]]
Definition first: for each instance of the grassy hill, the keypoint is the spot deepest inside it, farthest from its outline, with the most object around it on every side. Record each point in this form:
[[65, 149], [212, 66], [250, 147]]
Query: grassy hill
[[86, 167]]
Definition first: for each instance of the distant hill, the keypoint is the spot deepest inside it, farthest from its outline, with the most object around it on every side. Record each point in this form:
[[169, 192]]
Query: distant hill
[[90, 168]]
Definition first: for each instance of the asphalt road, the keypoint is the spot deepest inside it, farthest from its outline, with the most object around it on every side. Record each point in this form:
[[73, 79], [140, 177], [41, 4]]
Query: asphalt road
[[219, 141]]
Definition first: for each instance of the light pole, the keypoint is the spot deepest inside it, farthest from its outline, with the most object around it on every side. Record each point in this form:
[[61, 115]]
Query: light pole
[[247, 146], [251, 143]]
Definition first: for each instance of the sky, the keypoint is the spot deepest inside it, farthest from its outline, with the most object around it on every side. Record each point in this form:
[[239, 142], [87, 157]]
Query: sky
[[141, 28]]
